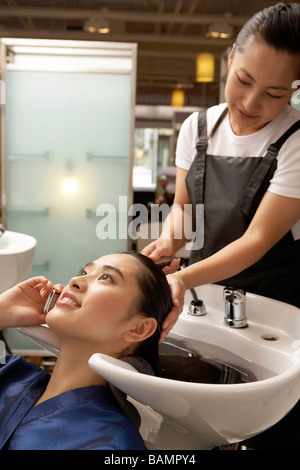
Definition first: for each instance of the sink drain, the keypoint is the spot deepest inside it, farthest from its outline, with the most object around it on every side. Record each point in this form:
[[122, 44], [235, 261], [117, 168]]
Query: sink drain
[[270, 337]]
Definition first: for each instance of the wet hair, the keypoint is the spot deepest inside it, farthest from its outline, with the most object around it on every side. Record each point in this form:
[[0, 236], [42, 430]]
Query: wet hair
[[277, 26], [154, 301]]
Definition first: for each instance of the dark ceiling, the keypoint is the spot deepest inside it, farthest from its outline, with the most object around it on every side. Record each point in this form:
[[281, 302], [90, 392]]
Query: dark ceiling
[[169, 33]]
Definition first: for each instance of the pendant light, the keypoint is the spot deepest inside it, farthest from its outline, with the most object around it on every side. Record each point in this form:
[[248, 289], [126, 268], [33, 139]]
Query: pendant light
[[177, 98], [205, 67]]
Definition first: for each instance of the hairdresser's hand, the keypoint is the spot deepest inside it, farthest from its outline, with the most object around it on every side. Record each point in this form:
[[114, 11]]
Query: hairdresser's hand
[[177, 290], [162, 248], [23, 304], [159, 248]]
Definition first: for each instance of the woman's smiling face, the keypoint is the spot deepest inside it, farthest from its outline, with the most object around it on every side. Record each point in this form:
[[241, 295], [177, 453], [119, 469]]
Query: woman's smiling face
[[96, 306], [259, 86]]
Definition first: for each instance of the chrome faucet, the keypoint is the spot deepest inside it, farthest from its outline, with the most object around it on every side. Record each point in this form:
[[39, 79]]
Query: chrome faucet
[[235, 307], [196, 306]]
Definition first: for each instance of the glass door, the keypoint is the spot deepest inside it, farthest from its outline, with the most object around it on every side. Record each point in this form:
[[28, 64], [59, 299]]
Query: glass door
[[68, 133]]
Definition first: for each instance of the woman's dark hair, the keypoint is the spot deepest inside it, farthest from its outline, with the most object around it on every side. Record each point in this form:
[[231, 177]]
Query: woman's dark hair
[[277, 26], [154, 301]]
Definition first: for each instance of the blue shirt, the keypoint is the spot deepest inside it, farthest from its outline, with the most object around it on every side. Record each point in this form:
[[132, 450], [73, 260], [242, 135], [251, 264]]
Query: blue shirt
[[84, 418]]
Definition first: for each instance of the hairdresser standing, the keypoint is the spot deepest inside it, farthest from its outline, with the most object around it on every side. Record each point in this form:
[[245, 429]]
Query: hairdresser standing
[[241, 159]]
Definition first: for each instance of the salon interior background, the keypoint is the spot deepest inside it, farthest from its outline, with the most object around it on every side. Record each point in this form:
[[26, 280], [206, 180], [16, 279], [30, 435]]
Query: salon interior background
[[169, 33]]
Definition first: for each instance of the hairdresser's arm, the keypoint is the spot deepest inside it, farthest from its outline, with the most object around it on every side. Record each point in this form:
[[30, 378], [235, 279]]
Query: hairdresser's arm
[[171, 238], [273, 219], [23, 304]]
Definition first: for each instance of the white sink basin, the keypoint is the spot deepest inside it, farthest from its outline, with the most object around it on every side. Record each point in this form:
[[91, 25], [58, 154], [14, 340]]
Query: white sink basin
[[16, 256], [182, 415]]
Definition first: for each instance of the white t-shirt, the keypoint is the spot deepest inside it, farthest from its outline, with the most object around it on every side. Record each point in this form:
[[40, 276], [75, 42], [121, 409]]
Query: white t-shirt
[[286, 179]]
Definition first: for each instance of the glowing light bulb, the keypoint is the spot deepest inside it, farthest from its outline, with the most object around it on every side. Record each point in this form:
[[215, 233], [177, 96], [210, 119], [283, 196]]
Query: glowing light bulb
[[69, 186]]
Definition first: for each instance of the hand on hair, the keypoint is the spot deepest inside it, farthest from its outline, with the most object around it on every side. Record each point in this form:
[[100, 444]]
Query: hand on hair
[[177, 290], [158, 249]]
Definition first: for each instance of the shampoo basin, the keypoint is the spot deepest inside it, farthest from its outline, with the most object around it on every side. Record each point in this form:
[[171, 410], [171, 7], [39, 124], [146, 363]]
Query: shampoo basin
[[183, 415], [177, 414], [16, 257]]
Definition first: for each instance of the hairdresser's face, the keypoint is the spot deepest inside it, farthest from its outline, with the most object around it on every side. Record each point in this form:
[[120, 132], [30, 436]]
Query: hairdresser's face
[[97, 306], [258, 87]]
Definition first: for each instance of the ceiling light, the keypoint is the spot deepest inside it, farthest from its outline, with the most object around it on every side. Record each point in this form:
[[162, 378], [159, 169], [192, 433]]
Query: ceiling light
[[97, 25], [205, 67], [221, 30], [91, 28], [177, 98]]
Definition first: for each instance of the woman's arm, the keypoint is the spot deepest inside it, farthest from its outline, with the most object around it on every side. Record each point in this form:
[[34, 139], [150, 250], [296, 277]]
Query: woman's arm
[[172, 236], [273, 219], [23, 304]]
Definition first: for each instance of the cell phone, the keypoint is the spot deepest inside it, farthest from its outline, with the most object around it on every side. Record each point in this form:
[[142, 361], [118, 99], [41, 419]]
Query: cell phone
[[51, 301]]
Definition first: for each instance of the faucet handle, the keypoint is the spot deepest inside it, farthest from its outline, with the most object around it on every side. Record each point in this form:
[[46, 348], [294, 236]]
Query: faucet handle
[[235, 307], [231, 294]]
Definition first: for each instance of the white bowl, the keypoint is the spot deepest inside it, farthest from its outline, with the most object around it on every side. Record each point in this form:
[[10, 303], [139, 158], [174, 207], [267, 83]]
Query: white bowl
[[16, 257], [183, 415]]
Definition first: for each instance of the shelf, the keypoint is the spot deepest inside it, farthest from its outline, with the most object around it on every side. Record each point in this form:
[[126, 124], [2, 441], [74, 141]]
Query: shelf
[[117, 158], [90, 214], [28, 156], [32, 212]]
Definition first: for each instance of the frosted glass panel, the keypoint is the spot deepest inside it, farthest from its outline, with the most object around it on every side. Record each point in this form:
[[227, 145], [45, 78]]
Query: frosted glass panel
[[67, 152]]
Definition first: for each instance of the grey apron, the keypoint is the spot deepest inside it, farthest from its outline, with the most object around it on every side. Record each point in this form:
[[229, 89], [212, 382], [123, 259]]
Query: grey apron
[[231, 189]]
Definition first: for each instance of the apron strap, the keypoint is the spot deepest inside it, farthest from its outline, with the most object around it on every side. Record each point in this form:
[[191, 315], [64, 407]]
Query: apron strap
[[201, 147], [264, 172]]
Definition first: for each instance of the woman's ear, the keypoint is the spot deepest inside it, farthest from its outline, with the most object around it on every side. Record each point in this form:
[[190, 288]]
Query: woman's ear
[[142, 329]]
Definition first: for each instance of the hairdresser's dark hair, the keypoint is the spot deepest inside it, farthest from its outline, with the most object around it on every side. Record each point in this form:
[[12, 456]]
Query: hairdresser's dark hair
[[154, 301], [277, 26]]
